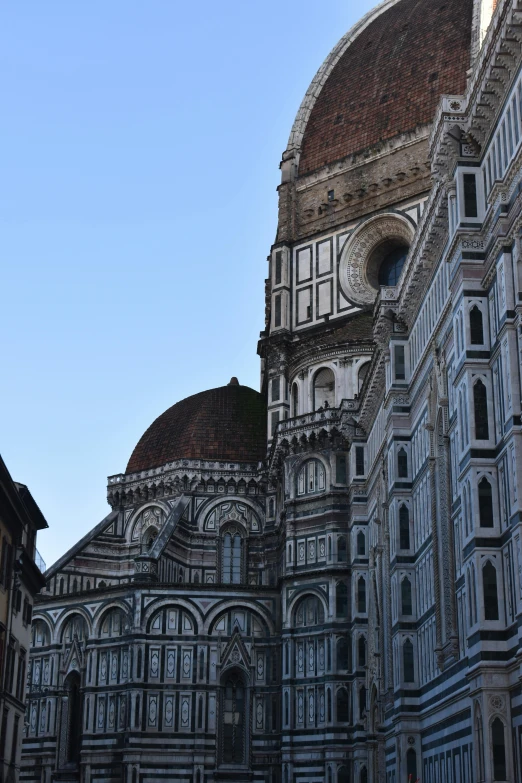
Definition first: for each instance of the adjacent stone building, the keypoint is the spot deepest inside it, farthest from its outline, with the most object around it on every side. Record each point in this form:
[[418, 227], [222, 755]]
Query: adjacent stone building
[[323, 581]]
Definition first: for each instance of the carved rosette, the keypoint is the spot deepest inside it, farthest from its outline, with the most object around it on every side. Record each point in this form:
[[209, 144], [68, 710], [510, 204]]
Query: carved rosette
[[354, 266]]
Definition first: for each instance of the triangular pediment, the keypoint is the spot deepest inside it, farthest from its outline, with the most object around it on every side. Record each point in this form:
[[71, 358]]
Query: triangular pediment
[[235, 653]]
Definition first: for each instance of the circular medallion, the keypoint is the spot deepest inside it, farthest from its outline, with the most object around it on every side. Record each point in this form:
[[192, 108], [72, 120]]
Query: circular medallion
[[364, 252]]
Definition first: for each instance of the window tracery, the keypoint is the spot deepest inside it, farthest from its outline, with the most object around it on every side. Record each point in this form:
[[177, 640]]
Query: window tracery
[[311, 478], [232, 544]]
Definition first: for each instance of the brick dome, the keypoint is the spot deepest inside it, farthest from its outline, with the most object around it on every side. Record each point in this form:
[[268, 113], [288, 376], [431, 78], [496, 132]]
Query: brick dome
[[384, 78], [228, 423]]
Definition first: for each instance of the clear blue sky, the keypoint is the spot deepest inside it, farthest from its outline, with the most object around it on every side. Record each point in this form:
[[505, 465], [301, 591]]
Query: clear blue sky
[[140, 144]]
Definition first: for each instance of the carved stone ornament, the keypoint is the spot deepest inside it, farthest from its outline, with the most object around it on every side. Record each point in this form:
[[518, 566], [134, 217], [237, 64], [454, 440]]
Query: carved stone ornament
[[356, 273]]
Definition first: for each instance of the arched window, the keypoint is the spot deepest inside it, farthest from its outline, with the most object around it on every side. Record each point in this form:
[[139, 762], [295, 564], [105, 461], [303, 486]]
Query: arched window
[[402, 463], [485, 495], [74, 716], [406, 601], [341, 549], [40, 634], [324, 389], [363, 372], [362, 701], [233, 723], [361, 543], [361, 651], [407, 661], [476, 329], [271, 507], [343, 775], [311, 478], [75, 586], [231, 551], [329, 705], [364, 775], [499, 750], [295, 400], [74, 628], [309, 612], [489, 579], [342, 705], [343, 654], [113, 624], [404, 527], [411, 764], [88, 587], [480, 404], [149, 537], [361, 595], [330, 776], [341, 599]]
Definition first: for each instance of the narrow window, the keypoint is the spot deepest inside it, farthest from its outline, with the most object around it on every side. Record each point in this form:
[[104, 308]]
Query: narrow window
[[61, 586], [340, 469], [343, 776], [342, 705], [287, 709], [14, 744], [489, 579], [404, 527], [407, 660], [400, 363], [359, 460], [295, 400], [234, 721], [343, 655], [329, 705], [480, 404], [361, 595], [200, 712], [470, 196], [362, 701], [276, 389], [402, 463], [499, 750], [277, 310], [278, 267], [274, 421], [341, 599], [341, 549], [361, 543], [411, 764], [364, 775], [476, 327], [485, 495], [361, 651], [201, 665], [406, 600]]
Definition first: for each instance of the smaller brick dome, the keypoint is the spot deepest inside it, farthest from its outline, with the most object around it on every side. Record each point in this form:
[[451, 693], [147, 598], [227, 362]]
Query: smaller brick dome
[[227, 423]]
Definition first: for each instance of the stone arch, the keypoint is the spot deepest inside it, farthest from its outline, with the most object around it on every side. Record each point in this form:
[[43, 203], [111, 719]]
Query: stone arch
[[291, 605], [130, 534], [105, 611], [261, 613], [179, 603], [204, 512], [43, 618], [58, 630]]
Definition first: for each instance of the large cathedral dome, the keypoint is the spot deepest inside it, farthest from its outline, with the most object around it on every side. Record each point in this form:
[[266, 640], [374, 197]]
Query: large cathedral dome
[[227, 423], [383, 79]]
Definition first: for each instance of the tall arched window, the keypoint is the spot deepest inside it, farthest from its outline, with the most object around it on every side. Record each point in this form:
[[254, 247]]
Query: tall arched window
[[361, 595], [480, 404], [361, 543], [364, 775], [485, 495], [295, 400], [342, 705], [361, 651], [311, 478], [489, 579], [402, 463], [343, 654], [233, 723], [231, 551], [343, 776], [411, 764], [404, 527], [341, 549], [476, 328], [74, 718], [407, 661], [406, 600], [498, 746], [309, 612], [363, 372], [362, 701], [341, 599], [324, 389]]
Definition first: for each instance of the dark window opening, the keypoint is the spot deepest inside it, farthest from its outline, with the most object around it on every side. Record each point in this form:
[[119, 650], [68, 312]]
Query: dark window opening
[[406, 599], [361, 651], [402, 464], [404, 527], [407, 659], [411, 764], [361, 595], [343, 655], [341, 599], [359, 460], [342, 706], [470, 196], [361, 543], [74, 712], [480, 403], [476, 326], [499, 750], [340, 470], [400, 363], [341, 550], [276, 389], [489, 579], [392, 265], [362, 701], [278, 266], [485, 495], [234, 721], [231, 570], [277, 310]]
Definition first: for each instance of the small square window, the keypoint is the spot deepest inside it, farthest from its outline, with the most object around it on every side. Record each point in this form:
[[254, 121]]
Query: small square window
[[331, 195]]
